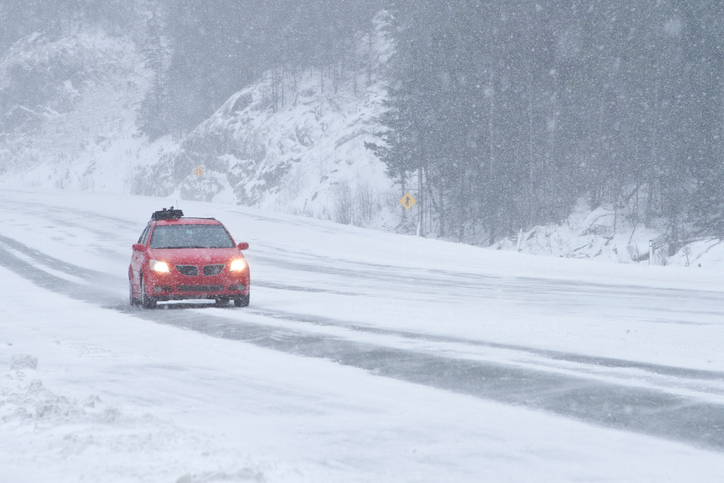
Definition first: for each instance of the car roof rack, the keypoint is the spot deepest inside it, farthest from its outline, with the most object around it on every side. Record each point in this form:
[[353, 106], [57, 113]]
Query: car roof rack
[[165, 214]]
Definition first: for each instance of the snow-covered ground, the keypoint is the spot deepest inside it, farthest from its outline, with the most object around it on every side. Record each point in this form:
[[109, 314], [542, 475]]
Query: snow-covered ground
[[364, 356]]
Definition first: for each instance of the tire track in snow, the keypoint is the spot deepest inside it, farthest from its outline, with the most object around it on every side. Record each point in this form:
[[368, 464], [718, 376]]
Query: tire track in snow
[[102, 278], [627, 408]]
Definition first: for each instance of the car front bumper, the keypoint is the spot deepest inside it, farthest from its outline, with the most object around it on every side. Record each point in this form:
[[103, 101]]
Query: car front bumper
[[163, 287]]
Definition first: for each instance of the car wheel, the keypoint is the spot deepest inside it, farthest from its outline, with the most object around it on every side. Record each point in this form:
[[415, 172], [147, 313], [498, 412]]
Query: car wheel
[[242, 301], [222, 302], [134, 301], [146, 301]]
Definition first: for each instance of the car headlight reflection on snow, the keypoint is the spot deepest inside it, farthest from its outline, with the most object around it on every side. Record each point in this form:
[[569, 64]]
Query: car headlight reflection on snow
[[156, 266], [238, 265]]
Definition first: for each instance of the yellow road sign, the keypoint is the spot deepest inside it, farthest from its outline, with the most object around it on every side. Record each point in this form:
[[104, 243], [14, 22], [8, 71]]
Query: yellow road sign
[[408, 201], [199, 171]]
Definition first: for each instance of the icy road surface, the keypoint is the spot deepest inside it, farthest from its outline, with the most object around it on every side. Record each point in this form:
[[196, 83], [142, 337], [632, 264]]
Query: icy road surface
[[364, 356]]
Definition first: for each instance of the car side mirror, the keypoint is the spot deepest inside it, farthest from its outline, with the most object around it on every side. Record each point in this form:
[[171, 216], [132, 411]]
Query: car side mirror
[[243, 246], [137, 247]]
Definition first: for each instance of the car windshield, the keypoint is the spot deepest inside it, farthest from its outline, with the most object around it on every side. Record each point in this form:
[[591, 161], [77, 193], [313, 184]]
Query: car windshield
[[191, 236]]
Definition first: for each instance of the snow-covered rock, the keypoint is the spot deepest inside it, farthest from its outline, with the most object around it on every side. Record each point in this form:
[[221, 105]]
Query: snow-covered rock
[[607, 234], [307, 157]]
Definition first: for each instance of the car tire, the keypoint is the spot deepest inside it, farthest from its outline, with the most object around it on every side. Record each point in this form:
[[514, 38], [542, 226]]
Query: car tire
[[222, 302], [242, 301], [134, 301], [146, 301]]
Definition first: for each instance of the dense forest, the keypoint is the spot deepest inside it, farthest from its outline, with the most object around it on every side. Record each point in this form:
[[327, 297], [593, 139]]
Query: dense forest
[[513, 110], [501, 113]]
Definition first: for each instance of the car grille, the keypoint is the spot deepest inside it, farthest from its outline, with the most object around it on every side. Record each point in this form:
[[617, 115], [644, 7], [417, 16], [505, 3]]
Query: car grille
[[189, 270], [200, 288], [210, 270]]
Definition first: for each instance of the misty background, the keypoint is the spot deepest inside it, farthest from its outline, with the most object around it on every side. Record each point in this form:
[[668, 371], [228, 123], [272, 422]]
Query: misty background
[[498, 115]]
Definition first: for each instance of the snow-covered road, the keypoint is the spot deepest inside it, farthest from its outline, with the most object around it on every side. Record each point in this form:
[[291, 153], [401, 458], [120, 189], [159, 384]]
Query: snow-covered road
[[363, 356]]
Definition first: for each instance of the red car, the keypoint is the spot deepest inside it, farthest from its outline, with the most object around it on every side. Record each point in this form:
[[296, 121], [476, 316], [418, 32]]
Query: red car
[[179, 258]]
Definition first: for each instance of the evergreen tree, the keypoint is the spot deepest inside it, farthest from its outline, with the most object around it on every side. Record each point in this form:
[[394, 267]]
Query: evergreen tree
[[153, 112]]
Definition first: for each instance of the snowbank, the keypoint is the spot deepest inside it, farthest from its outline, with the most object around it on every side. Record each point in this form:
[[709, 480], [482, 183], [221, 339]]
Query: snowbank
[[607, 234]]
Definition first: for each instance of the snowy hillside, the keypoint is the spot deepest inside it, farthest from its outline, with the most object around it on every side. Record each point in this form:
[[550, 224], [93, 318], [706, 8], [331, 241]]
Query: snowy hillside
[[293, 142], [309, 157], [305, 156], [73, 124]]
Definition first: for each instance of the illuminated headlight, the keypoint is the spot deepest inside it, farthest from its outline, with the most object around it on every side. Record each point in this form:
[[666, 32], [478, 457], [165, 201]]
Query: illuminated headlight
[[156, 266], [238, 265]]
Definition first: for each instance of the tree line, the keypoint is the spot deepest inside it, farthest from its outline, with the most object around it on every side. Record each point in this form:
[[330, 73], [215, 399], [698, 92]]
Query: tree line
[[510, 111], [58, 18]]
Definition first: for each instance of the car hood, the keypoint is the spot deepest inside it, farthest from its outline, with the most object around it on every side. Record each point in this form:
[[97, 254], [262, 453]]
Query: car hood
[[195, 256]]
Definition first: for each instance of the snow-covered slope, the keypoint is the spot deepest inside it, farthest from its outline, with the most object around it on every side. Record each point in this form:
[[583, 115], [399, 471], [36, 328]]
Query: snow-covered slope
[[308, 157], [72, 121], [294, 142]]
